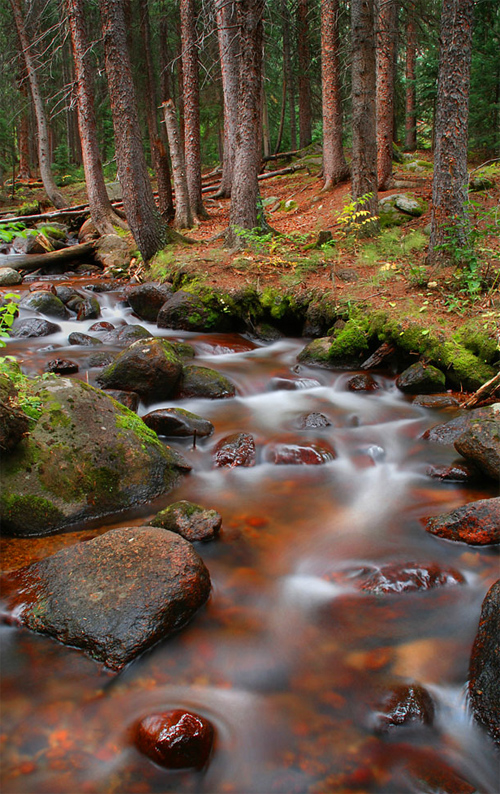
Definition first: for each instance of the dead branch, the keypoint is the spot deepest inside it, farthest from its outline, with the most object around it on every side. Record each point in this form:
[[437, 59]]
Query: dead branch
[[34, 261]]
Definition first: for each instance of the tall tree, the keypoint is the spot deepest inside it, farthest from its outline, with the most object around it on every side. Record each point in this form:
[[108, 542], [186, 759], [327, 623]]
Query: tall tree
[[192, 148], [450, 181], [304, 57], [23, 144], [288, 71], [44, 159], [245, 188], [386, 61], [335, 168], [364, 140], [101, 211], [146, 223], [410, 82], [229, 50]]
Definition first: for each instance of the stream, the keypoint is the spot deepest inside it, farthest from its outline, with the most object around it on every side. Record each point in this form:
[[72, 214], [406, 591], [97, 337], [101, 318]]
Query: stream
[[288, 658]]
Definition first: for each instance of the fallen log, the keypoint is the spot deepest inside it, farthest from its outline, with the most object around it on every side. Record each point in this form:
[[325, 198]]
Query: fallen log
[[34, 261], [267, 175], [385, 350], [76, 211], [484, 393]]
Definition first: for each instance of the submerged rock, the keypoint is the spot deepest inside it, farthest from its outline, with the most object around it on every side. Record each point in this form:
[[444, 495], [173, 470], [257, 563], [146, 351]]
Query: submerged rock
[[404, 704], [484, 667], [404, 577], [456, 472], [480, 443], [300, 454], [421, 378], [363, 382], [189, 520], [177, 422], [204, 383], [113, 596], [237, 449], [476, 523], [85, 456], [175, 739], [313, 421], [150, 367]]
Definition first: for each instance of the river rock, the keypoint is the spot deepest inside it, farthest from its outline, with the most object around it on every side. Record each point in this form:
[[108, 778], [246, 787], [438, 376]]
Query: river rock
[[125, 335], [175, 739], [460, 471], [476, 523], [116, 595], [480, 443], [435, 401], [238, 449], [46, 303], [128, 398], [150, 367], [147, 299], [61, 366], [84, 340], [300, 454], [89, 309], [9, 277], [184, 311], [204, 383], [313, 420], [14, 425], [404, 704], [66, 293], [404, 577], [101, 359], [484, 667], [420, 378], [28, 245], [86, 456], [33, 327], [363, 382], [189, 520], [178, 422], [448, 432], [114, 252], [101, 327]]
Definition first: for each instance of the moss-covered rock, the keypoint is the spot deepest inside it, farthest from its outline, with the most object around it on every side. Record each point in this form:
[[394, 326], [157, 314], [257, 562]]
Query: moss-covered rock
[[150, 367], [204, 383], [421, 378], [191, 521], [85, 456]]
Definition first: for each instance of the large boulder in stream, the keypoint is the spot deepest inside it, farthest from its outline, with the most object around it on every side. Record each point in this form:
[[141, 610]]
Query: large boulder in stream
[[86, 455], [149, 367], [113, 596], [204, 383], [484, 668], [147, 299], [480, 443]]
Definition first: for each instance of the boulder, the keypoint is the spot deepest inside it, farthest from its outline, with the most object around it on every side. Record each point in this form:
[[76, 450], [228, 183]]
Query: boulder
[[204, 383], [404, 704], [409, 205], [184, 311], [484, 667], [363, 382], [476, 523], [420, 378], [147, 299], [128, 398], [101, 327], [9, 277], [84, 340], [300, 454], [89, 309], [150, 367], [178, 422], [14, 425], [114, 252], [480, 443], [189, 520], [238, 449], [126, 334], [61, 366], [33, 327], [46, 303], [113, 596], [175, 739], [448, 432], [405, 577], [85, 456]]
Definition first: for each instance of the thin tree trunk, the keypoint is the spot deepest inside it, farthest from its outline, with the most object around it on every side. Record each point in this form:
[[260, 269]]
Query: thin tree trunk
[[282, 118], [410, 91], [335, 168], [44, 158], [23, 142], [450, 181], [183, 217], [386, 53], [305, 122], [101, 211], [146, 224], [364, 142], [288, 71], [227, 31], [266, 139], [192, 147]]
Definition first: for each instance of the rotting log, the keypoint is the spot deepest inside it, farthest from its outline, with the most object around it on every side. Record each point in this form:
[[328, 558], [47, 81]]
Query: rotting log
[[267, 175], [484, 394], [383, 352], [34, 261]]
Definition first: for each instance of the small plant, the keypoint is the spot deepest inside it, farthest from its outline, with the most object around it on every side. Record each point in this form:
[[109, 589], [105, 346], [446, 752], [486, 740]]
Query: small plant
[[9, 231], [355, 220], [8, 313]]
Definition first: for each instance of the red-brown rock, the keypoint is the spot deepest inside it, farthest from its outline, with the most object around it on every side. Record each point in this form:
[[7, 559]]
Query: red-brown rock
[[404, 704], [237, 449], [484, 668], [477, 523], [401, 577], [455, 472], [362, 382], [297, 454], [175, 739]]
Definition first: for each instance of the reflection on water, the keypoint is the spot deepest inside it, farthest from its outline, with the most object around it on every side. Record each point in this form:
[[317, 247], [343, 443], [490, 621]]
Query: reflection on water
[[287, 659]]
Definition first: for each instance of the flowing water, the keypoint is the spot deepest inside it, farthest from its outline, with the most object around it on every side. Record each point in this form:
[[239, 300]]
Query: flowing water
[[287, 659]]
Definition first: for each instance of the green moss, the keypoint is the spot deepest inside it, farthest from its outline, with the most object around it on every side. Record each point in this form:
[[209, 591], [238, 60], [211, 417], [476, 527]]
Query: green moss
[[128, 420], [33, 511], [478, 342], [465, 370], [351, 341]]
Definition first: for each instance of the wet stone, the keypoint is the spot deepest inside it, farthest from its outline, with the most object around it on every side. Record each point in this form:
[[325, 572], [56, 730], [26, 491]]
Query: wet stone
[[101, 359], [84, 340], [456, 472], [177, 422], [404, 704], [128, 398], [421, 378], [480, 443], [449, 432], [204, 383], [101, 327], [476, 523], [484, 667], [147, 299], [89, 309], [14, 425], [313, 420], [237, 449], [435, 401], [61, 366], [175, 739], [150, 367], [298, 454], [404, 577], [34, 327], [191, 521], [362, 383], [9, 277]]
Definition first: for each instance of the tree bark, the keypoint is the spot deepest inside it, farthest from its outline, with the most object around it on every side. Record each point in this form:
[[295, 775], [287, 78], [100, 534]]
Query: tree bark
[[305, 123], [335, 168], [288, 71], [410, 90], [101, 211], [245, 188], [183, 217], [386, 56], [53, 258], [146, 223], [364, 141], [450, 181], [44, 158], [23, 142], [192, 148], [229, 49]]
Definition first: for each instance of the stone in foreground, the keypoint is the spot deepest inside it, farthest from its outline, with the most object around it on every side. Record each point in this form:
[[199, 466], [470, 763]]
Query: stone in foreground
[[476, 523], [116, 595], [175, 739], [149, 367], [484, 668]]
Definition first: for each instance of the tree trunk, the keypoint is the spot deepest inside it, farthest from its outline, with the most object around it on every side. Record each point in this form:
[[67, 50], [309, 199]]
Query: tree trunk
[[227, 32], [335, 168], [245, 188], [146, 224], [411, 94], [305, 124], [183, 217], [192, 149], [101, 210], [44, 158], [158, 153], [288, 71], [23, 142], [386, 55], [449, 185], [364, 141]]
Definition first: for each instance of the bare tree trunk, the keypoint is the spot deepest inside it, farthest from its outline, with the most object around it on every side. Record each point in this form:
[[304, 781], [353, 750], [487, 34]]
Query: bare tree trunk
[[282, 117], [245, 188], [364, 142], [410, 92], [44, 158], [227, 32], [158, 153], [183, 217], [450, 181], [305, 123], [101, 211], [288, 71], [335, 168], [23, 142], [266, 137], [192, 149], [386, 54], [146, 224]]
